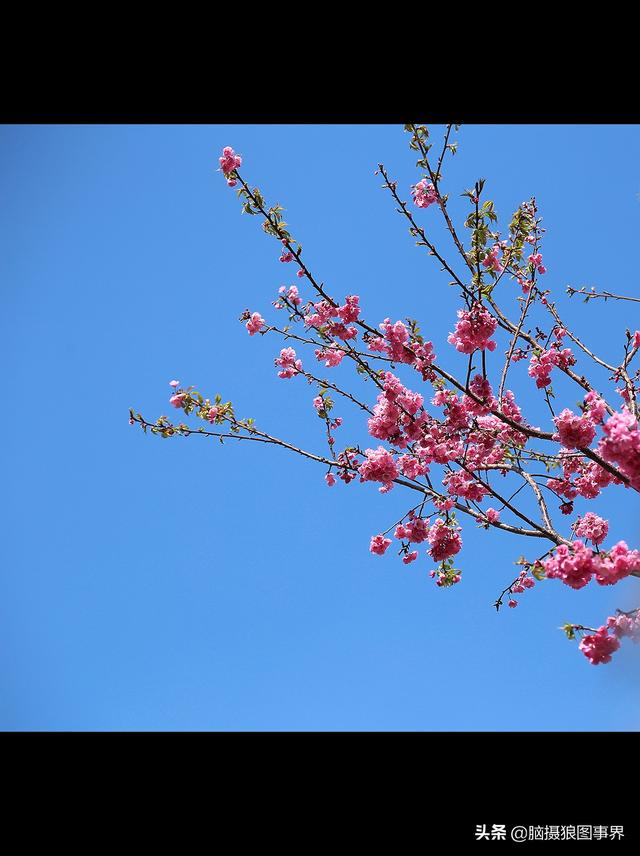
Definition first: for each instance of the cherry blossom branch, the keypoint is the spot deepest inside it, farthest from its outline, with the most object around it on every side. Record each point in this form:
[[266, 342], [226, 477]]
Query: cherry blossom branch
[[552, 309], [417, 230], [593, 295], [435, 178]]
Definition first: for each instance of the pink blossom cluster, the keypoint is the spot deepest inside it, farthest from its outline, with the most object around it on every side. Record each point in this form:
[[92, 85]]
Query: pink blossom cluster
[[576, 564], [415, 531], [481, 388], [616, 564], [523, 583], [504, 432], [424, 193], [490, 516], [412, 467], [626, 625], [460, 483], [473, 330], [331, 356], [348, 465], [255, 323], [571, 564], [229, 162], [491, 261], [590, 481], [486, 442], [599, 646], [379, 545], [536, 260], [621, 445], [379, 466], [350, 311], [594, 407], [591, 528], [394, 417], [445, 540], [395, 342], [525, 284], [325, 312], [289, 365], [542, 364], [292, 295], [574, 432]]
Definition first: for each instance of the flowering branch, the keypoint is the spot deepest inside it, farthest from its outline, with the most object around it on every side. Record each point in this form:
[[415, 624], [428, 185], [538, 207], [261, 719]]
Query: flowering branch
[[473, 434]]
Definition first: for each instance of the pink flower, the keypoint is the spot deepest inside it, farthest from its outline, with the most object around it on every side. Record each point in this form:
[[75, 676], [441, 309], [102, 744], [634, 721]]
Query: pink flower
[[473, 330], [379, 466], [379, 545], [331, 356], [424, 193], [318, 403], [591, 528], [410, 557], [229, 161], [293, 296], [599, 646], [491, 260], [351, 310], [513, 603], [416, 531], [636, 339], [492, 515], [288, 363], [255, 323], [621, 445], [625, 625], [330, 479], [177, 400], [174, 383], [212, 415], [286, 256], [445, 541], [595, 407], [575, 432], [460, 483], [542, 364], [573, 565], [616, 564]]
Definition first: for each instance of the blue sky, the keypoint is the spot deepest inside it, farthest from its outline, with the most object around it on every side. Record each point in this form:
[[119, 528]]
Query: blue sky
[[152, 584]]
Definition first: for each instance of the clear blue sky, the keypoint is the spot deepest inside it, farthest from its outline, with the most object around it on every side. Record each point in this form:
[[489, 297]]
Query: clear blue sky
[[152, 584]]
